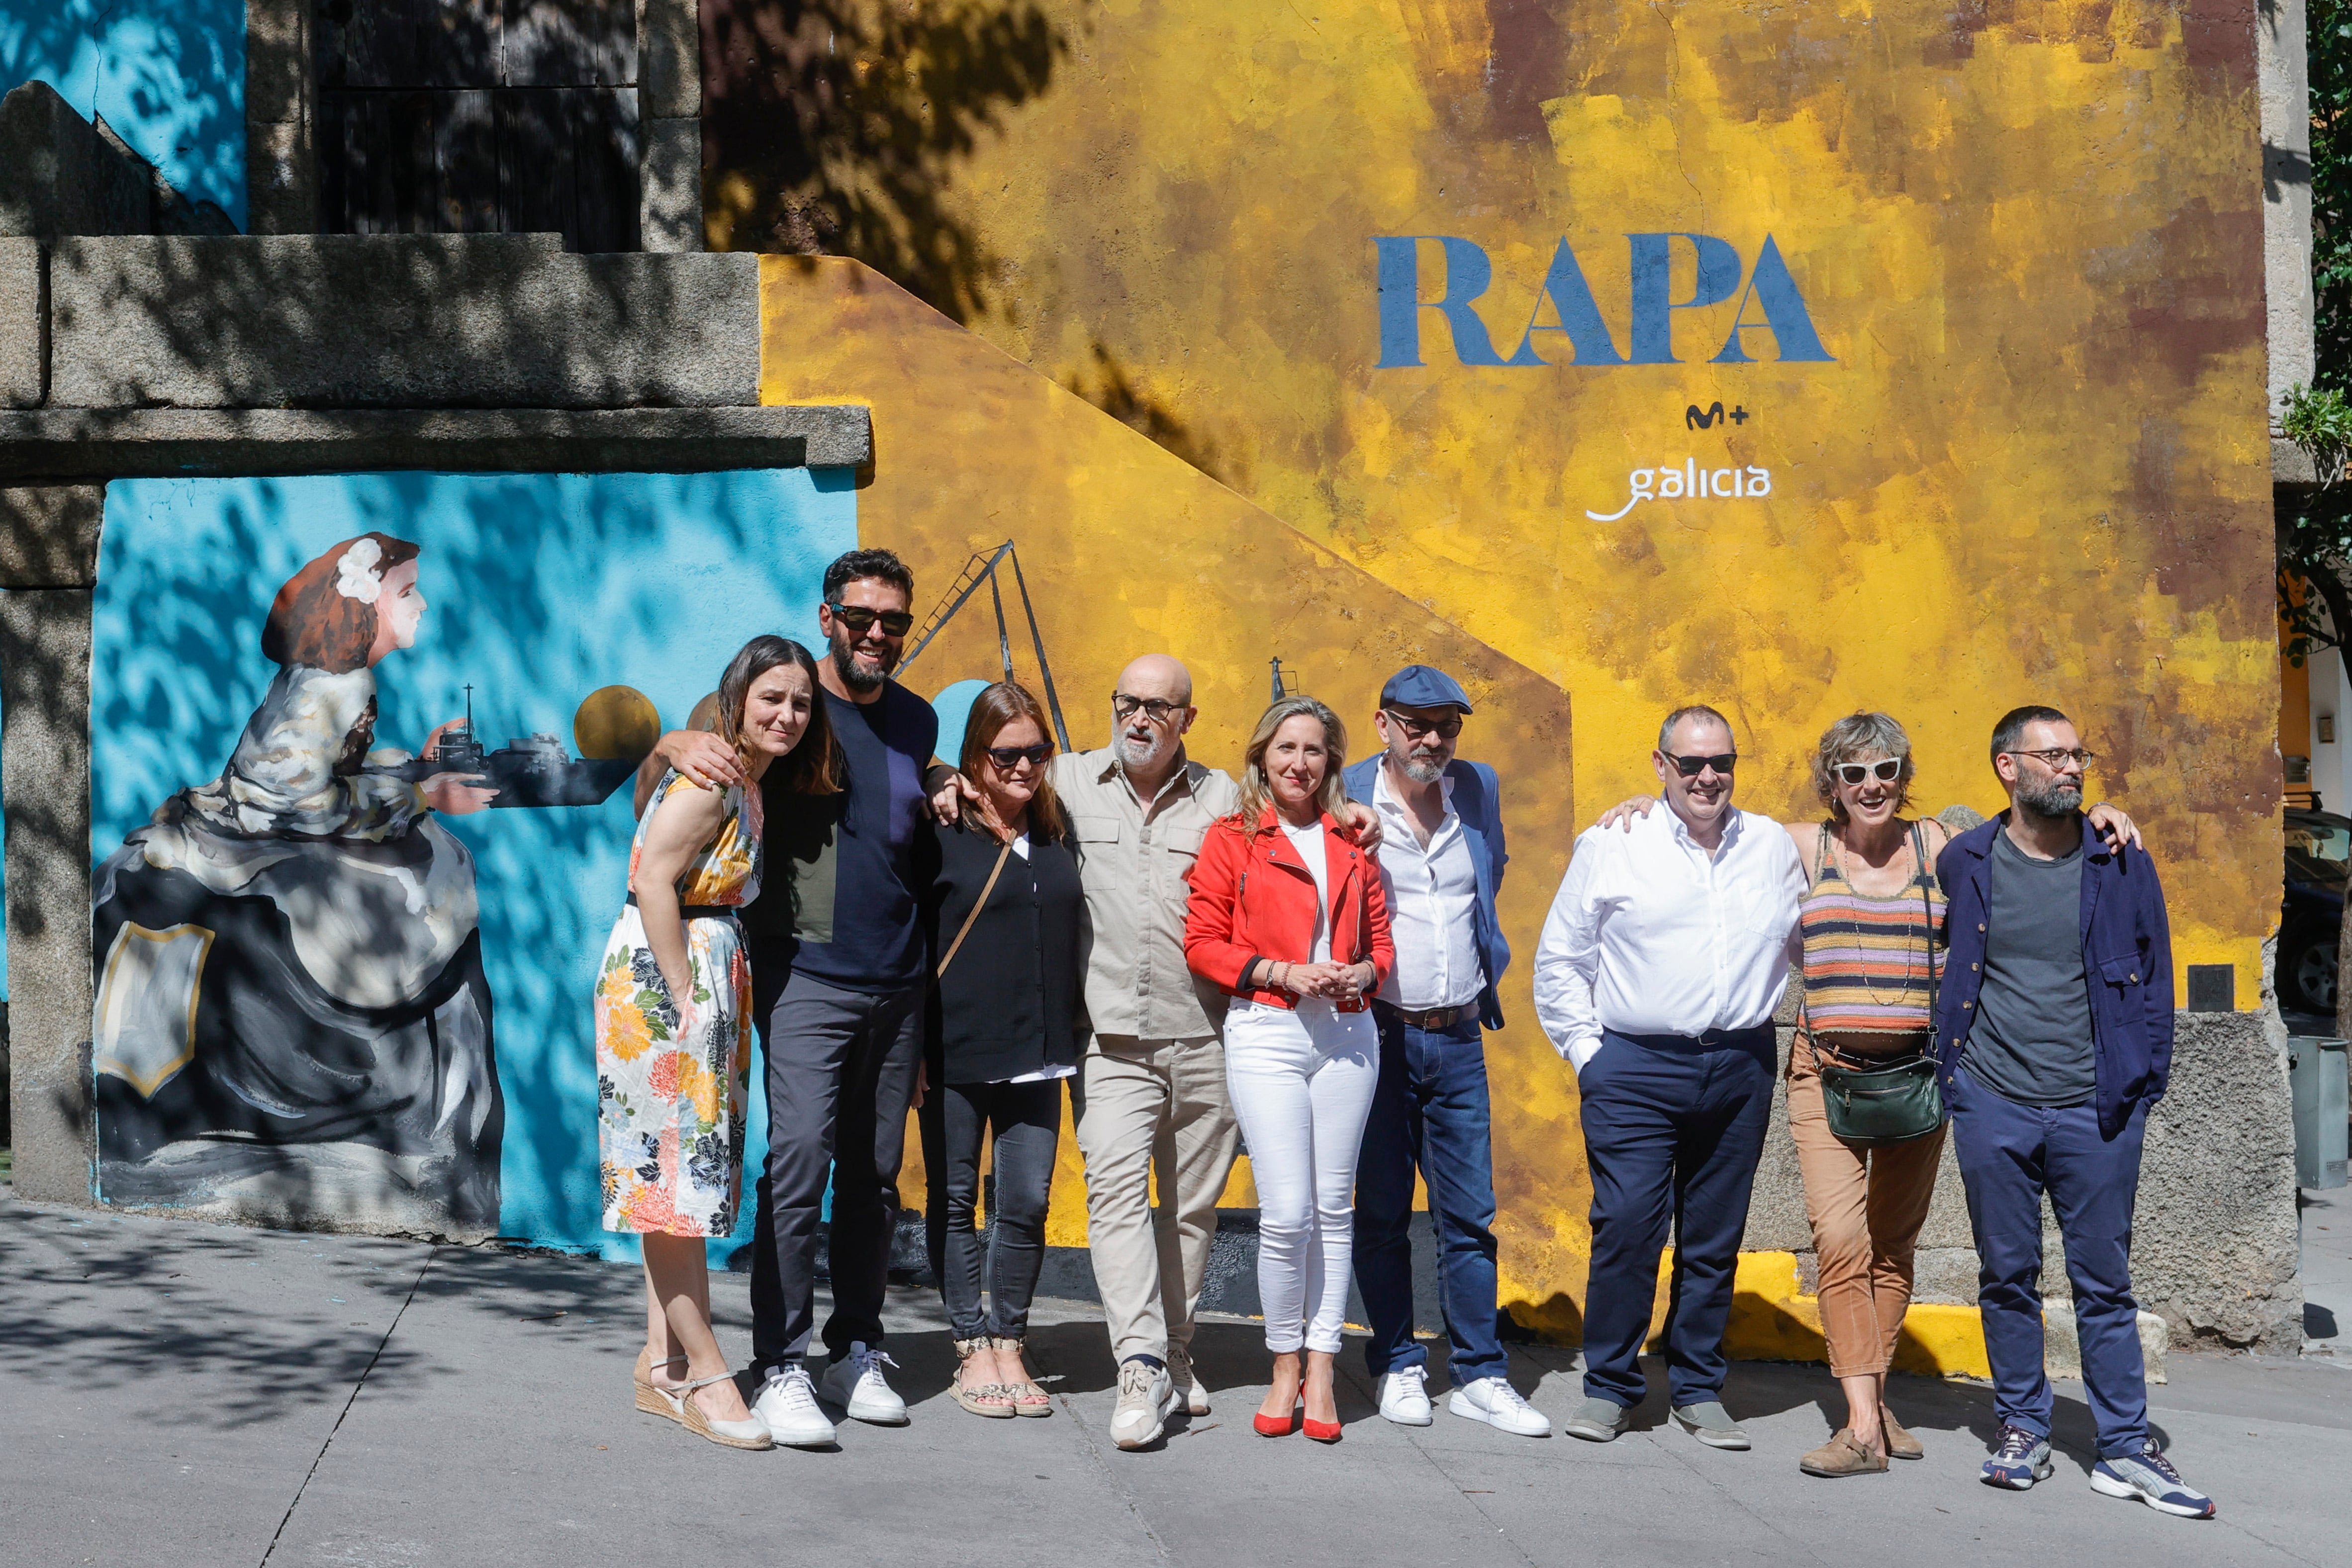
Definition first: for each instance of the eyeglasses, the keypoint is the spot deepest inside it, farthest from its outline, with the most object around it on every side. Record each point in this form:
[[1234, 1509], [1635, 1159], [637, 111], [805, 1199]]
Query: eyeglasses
[[1007, 756], [2051, 757], [1153, 709], [1414, 728], [1885, 771], [858, 618], [1722, 762]]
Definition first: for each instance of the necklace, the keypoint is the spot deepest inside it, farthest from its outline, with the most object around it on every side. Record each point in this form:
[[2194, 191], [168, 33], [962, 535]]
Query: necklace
[[1863, 972]]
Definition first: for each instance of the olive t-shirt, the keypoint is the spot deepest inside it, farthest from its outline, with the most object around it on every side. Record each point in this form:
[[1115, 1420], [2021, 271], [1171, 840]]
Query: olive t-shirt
[[2031, 1039]]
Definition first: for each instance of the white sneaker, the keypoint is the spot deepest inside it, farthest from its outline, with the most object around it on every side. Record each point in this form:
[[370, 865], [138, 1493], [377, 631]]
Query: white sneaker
[[787, 1403], [1498, 1404], [854, 1382], [1404, 1396], [1189, 1389], [1146, 1398]]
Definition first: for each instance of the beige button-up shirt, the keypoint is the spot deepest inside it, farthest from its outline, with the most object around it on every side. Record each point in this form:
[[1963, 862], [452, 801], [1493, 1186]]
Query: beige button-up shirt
[[1131, 862]]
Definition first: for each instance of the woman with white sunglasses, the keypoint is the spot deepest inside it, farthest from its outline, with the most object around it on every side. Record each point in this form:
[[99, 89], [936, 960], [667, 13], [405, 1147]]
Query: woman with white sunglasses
[[1872, 923]]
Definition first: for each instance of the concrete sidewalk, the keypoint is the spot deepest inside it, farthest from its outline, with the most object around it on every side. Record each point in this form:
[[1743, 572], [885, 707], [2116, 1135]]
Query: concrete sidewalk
[[178, 1394]]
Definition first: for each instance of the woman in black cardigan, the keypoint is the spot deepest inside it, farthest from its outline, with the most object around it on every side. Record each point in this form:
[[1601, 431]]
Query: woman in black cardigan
[[1003, 1030]]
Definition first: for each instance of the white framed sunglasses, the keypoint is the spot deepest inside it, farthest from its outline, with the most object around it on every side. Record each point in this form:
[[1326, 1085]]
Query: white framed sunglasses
[[1887, 771]]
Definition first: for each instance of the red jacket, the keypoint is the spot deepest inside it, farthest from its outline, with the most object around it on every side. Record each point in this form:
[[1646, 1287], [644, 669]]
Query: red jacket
[[1252, 897]]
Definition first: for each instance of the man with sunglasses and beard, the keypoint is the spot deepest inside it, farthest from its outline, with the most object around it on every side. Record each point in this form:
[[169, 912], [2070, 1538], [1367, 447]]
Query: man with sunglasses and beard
[[838, 967], [2054, 1037], [1659, 970], [1442, 827]]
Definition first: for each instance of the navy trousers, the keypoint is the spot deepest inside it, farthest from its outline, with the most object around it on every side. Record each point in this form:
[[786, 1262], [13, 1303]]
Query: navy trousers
[[1673, 1129], [2010, 1155], [1430, 1111]]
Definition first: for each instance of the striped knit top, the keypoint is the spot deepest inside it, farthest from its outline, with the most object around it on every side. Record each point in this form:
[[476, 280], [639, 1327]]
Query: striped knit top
[[1870, 963]]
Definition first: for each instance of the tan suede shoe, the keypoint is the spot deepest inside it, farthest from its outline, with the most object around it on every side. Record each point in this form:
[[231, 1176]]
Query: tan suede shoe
[[1841, 1456], [1900, 1443]]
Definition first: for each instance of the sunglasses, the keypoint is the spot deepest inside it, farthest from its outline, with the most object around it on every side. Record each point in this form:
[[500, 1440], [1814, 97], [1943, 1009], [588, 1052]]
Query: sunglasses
[[1007, 756], [1690, 767], [858, 618], [1885, 771], [1124, 707], [1414, 728]]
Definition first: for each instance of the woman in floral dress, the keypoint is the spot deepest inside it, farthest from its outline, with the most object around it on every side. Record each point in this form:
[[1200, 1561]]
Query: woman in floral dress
[[674, 1029]]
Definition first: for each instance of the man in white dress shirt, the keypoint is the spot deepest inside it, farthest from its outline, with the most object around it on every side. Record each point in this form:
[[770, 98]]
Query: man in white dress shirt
[[1660, 967], [1441, 860]]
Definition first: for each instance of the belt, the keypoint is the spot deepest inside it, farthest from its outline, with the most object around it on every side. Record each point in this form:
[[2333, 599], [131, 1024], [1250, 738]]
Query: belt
[[1427, 1019], [1757, 1037], [698, 910]]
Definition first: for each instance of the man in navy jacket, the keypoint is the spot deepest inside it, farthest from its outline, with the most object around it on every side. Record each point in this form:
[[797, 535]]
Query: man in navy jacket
[[2053, 1036], [1442, 858]]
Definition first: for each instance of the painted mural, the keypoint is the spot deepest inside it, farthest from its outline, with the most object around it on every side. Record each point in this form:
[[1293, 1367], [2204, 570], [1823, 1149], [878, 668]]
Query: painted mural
[[289, 964], [347, 949]]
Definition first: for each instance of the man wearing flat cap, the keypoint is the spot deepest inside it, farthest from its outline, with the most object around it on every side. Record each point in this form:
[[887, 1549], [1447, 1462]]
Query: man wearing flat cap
[[1440, 860]]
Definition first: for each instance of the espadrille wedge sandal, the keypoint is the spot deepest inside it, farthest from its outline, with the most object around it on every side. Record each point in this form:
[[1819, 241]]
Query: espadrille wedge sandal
[[650, 1397], [992, 1400], [747, 1434], [1028, 1399]]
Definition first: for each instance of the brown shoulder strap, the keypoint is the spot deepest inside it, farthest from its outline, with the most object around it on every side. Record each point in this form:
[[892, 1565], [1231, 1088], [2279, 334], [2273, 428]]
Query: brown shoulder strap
[[977, 905]]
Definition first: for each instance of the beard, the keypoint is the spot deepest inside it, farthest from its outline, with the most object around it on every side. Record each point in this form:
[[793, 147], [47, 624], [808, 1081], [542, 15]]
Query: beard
[[1133, 753], [2056, 799], [854, 676], [1422, 771]]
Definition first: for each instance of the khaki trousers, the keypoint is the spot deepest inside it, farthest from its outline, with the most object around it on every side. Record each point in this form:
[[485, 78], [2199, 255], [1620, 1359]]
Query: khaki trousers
[[1867, 1207], [1144, 1103]]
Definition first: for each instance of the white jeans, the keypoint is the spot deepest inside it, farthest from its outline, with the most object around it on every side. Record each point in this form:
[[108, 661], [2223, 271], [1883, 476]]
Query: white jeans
[[1302, 1084]]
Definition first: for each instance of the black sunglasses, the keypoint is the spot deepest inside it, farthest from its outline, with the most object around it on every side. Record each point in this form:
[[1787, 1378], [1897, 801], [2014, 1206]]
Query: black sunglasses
[[1005, 757], [1690, 767], [1414, 728], [858, 618]]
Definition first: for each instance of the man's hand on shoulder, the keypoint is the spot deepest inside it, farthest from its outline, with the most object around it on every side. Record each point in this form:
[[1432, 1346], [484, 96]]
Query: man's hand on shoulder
[[700, 757], [1358, 824]]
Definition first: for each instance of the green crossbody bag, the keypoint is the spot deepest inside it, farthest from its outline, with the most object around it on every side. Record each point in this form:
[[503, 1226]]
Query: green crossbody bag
[[1898, 1101]]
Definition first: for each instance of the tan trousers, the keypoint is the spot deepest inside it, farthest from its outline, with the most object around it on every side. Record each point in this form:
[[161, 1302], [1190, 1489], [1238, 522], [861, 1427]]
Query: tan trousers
[[1141, 1103], [1867, 1207]]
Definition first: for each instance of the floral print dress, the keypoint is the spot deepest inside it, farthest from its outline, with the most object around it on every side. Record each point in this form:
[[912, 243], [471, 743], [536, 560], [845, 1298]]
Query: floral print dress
[[673, 1072]]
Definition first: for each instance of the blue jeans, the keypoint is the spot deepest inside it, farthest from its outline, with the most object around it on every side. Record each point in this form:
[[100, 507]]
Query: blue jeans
[[1429, 1110], [2010, 1155], [1673, 1130]]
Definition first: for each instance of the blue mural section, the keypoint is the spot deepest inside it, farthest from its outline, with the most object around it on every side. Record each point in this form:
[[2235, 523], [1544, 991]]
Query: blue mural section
[[167, 74], [538, 591]]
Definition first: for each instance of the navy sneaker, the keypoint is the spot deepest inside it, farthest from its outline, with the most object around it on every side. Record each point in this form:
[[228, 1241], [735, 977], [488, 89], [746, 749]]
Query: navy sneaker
[[2150, 1476], [2021, 1459]]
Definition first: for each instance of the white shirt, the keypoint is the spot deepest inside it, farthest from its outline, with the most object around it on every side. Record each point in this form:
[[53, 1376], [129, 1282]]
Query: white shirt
[[1649, 935], [1308, 841], [1433, 897]]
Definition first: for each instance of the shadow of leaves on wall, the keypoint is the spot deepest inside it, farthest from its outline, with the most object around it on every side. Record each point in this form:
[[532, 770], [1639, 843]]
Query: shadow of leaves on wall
[[1110, 386], [834, 128]]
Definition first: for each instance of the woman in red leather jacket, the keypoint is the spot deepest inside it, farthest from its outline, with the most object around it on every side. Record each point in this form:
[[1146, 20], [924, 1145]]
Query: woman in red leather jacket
[[1288, 917]]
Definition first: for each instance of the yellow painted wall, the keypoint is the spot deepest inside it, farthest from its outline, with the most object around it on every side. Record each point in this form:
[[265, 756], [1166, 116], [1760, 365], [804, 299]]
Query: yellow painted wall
[[2036, 470], [2030, 234]]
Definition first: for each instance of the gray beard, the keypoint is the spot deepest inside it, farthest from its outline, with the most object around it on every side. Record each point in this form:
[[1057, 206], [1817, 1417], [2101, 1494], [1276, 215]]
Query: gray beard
[[854, 678], [1424, 772], [2051, 800], [1132, 755]]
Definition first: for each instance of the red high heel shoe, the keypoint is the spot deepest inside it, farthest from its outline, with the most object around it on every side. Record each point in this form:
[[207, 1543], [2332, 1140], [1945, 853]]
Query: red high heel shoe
[[1320, 1431], [1278, 1425]]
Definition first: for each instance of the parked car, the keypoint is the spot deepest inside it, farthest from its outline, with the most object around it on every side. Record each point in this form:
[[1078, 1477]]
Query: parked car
[[2318, 855]]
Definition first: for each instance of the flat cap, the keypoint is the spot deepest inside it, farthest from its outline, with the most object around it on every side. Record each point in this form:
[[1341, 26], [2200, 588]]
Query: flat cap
[[1418, 686]]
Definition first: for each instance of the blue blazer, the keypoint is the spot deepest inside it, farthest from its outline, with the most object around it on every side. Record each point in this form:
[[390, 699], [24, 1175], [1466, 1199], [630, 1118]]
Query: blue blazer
[[2126, 959], [1478, 801]]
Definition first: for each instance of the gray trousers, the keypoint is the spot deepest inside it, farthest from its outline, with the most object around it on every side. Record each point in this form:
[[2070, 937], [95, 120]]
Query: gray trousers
[[1146, 1104], [840, 1073]]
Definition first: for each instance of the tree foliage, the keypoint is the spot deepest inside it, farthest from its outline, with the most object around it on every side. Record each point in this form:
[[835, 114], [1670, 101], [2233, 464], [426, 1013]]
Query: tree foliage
[[2314, 527]]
